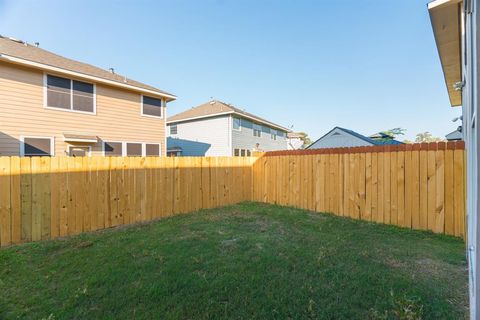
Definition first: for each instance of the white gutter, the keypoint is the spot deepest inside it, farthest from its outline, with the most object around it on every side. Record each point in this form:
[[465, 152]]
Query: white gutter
[[83, 76], [438, 3]]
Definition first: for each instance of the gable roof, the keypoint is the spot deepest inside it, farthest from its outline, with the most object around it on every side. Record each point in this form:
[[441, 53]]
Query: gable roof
[[19, 52], [360, 136], [215, 108]]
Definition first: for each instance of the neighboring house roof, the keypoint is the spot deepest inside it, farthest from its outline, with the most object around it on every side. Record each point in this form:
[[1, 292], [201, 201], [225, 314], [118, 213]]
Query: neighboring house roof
[[455, 135], [216, 108], [360, 136], [19, 52], [381, 135]]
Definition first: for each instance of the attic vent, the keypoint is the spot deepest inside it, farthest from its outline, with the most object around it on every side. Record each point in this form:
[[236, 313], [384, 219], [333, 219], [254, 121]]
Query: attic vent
[[337, 134]]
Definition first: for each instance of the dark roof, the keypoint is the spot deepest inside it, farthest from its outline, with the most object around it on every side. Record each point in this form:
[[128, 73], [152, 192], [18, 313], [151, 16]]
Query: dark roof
[[23, 50], [216, 107], [362, 137]]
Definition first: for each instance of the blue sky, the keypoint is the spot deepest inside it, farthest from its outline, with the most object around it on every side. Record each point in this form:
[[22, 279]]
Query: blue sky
[[365, 65]]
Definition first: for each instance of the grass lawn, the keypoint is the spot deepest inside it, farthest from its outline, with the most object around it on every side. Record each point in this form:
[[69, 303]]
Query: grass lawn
[[248, 261]]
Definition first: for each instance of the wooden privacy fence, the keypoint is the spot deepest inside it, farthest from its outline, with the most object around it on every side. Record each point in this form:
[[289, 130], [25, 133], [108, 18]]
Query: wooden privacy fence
[[418, 186], [45, 198]]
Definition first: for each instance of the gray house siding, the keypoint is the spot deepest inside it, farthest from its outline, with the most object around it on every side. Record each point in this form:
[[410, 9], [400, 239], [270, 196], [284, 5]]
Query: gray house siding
[[202, 137], [244, 138], [338, 139]]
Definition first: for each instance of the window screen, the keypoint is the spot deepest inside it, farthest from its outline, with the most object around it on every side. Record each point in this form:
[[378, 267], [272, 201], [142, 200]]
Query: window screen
[[37, 147], [134, 149], [152, 106], [58, 92], [82, 96], [113, 149], [152, 150]]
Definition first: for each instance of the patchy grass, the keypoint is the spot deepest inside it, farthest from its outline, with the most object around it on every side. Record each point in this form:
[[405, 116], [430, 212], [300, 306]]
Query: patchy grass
[[248, 261]]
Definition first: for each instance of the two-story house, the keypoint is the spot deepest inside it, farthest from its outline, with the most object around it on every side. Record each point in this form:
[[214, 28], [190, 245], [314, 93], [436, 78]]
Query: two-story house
[[216, 128], [51, 105]]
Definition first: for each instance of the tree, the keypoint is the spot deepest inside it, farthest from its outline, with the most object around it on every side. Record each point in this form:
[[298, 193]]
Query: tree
[[395, 132], [426, 137], [305, 138]]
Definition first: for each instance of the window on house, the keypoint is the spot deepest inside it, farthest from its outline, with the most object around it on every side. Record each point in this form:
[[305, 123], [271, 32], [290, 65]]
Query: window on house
[[173, 129], [249, 153], [237, 123], [134, 149], [242, 152], [257, 130], [273, 134], [79, 151], [36, 146], [236, 152], [151, 107], [152, 150], [113, 149], [70, 94]]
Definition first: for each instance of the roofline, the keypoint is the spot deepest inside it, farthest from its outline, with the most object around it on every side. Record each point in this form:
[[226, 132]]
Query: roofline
[[439, 3], [227, 113], [24, 62], [344, 130]]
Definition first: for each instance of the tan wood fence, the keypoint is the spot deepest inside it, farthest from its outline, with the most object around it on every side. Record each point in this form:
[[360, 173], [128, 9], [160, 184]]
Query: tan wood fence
[[415, 186], [45, 198], [419, 186]]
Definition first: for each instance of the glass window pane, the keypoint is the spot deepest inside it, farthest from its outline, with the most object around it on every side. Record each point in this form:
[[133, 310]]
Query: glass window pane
[[58, 84], [236, 123], [82, 88], [113, 148], [82, 103], [37, 147], [152, 106], [236, 152], [173, 129], [152, 149], [242, 152], [134, 149]]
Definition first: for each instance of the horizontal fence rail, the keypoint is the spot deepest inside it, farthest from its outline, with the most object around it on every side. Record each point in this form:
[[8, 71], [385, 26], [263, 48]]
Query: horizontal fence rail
[[46, 198], [418, 186]]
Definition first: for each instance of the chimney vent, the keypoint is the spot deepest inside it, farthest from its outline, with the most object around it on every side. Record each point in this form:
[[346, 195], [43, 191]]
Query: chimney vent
[[112, 71], [37, 44]]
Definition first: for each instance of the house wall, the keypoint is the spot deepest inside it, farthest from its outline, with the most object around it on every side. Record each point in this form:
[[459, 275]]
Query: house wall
[[338, 139], [202, 137], [244, 139], [22, 113]]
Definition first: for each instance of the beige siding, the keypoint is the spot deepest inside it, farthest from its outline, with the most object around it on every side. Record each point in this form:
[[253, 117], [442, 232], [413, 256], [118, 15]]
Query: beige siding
[[22, 113]]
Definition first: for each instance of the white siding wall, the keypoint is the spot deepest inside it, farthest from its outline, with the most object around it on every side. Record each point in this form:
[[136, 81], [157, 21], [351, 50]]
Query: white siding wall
[[338, 139], [244, 139], [202, 137]]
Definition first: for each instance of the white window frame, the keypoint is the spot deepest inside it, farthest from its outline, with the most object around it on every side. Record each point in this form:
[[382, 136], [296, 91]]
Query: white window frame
[[52, 144], [240, 126], [124, 147], [45, 93], [89, 154], [162, 108]]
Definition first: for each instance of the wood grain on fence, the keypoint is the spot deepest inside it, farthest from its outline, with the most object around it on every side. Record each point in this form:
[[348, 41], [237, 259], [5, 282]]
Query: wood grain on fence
[[418, 186], [45, 198]]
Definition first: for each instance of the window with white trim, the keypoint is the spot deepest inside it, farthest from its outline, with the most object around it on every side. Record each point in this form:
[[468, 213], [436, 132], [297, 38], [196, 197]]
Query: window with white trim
[[68, 94], [257, 130], [131, 149], [273, 134], [37, 146], [134, 149], [152, 149], [173, 129], [152, 107], [237, 124], [113, 149]]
